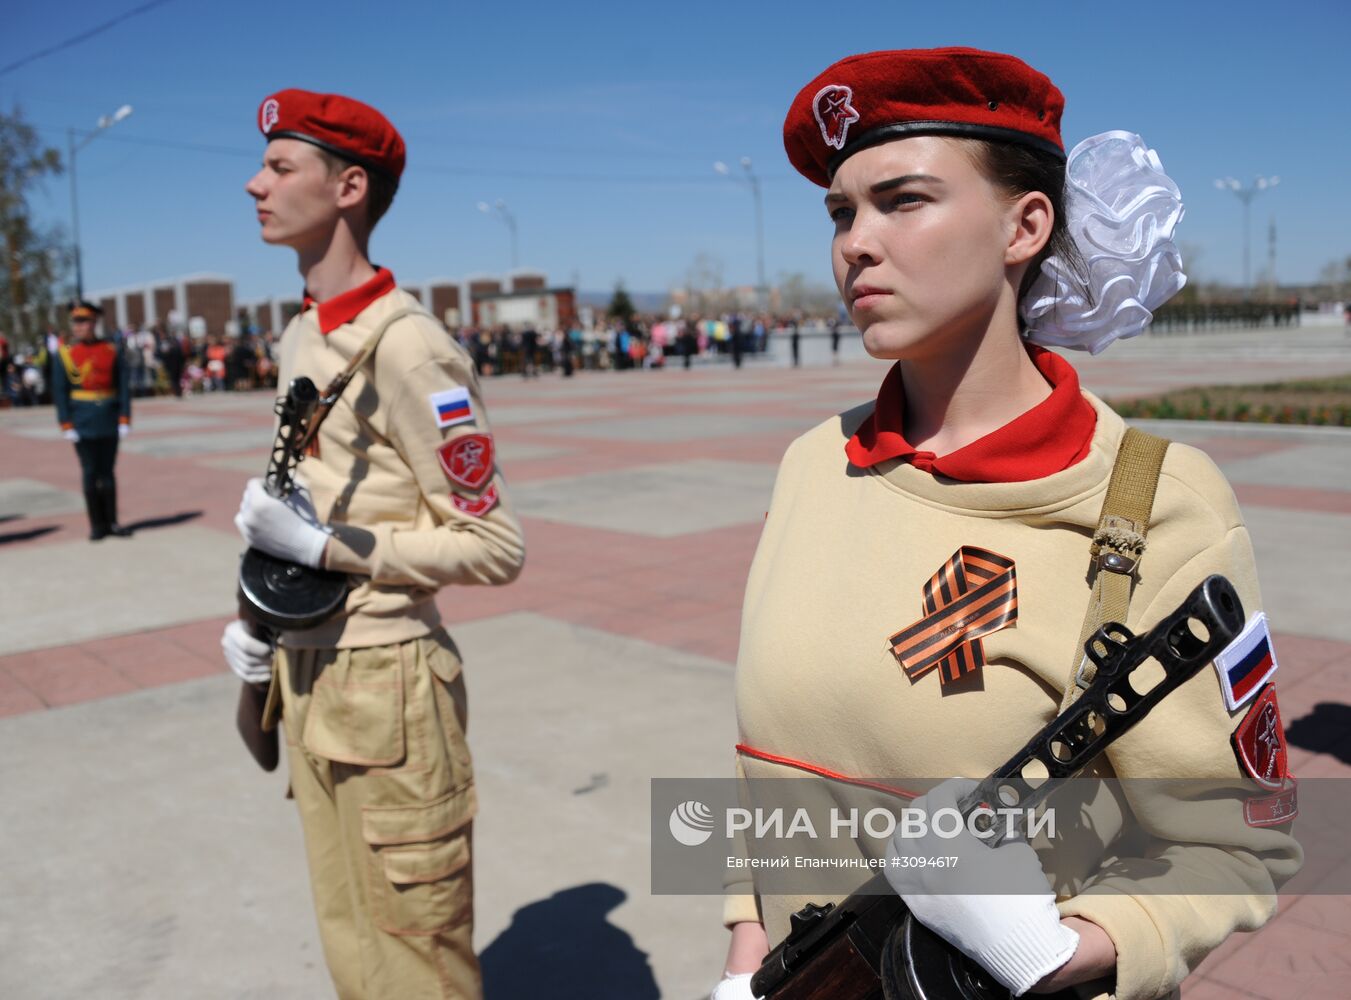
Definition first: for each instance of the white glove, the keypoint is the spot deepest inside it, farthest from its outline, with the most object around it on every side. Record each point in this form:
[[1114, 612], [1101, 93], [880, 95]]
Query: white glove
[[123, 430], [1017, 937], [733, 988], [288, 528], [249, 658], [71, 435]]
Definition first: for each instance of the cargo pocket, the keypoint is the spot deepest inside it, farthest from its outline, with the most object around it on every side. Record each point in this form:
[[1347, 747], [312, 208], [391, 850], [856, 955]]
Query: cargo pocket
[[418, 870], [452, 701], [355, 714]]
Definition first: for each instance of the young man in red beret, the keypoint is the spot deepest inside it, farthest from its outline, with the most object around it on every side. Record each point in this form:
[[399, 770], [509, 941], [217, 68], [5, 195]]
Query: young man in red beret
[[403, 495]]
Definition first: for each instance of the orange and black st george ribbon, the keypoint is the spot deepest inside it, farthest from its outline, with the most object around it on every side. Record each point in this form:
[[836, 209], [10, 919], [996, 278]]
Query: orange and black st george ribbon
[[973, 594]]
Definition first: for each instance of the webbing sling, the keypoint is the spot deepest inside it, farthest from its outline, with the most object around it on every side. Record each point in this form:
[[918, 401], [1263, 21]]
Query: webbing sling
[[1118, 543]]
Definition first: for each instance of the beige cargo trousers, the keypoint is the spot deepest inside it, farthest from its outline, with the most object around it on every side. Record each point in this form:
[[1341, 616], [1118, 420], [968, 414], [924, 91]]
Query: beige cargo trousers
[[381, 772]]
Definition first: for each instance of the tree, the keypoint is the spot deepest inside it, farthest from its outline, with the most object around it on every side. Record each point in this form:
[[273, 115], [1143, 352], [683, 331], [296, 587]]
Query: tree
[[621, 306], [703, 283], [34, 257], [1334, 276]]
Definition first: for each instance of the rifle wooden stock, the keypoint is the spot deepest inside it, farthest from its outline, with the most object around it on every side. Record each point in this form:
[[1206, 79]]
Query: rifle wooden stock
[[261, 743], [833, 951], [842, 973]]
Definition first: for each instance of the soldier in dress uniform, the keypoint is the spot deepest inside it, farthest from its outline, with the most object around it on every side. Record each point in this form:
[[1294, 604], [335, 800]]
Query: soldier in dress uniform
[[92, 393], [402, 494]]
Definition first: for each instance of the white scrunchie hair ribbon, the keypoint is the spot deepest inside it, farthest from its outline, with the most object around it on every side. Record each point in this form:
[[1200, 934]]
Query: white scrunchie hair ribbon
[[1121, 210]]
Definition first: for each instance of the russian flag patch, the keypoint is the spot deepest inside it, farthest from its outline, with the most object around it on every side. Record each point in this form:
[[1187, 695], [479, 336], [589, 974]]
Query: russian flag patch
[[452, 406], [1246, 663]]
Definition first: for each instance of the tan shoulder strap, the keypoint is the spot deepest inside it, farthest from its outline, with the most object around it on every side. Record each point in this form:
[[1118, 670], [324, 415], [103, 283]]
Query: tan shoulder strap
[[334, 389], [368, 348], [1118, 543]]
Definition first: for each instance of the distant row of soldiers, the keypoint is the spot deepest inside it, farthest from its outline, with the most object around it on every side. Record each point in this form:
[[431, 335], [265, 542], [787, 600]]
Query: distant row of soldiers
[[1183, 318]]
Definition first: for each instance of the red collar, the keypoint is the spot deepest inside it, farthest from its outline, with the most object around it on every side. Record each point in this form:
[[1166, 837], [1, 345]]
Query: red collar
[[349, 305], [1050, 437]]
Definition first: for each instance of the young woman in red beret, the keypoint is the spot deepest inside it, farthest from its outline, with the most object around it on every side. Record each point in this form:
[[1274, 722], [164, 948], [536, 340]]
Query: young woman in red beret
[[963, 244]]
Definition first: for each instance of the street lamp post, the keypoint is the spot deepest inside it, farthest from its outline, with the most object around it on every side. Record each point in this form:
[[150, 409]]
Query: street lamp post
[[107, 121], [752, 181], [1246, 195], [508, 220]]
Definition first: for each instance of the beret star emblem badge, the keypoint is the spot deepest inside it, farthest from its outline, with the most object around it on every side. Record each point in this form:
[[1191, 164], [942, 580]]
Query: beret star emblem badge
[[468, 461], [834, 113], [270, 114]]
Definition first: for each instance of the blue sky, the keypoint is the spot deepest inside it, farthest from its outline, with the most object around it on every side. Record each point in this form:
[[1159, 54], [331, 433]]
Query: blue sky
[[598, 124]]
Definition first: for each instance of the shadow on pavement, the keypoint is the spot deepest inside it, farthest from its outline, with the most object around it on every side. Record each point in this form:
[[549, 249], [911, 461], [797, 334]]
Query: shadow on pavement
[[164, 522], [25, 536], [1324, 730], [565, 948]]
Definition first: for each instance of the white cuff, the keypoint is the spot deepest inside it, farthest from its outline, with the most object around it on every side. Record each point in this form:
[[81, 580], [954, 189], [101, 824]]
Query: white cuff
[[1030, 951]]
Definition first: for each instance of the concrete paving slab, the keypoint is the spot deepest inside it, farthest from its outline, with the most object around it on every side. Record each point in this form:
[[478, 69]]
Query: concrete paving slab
[[257, 401], [507, 452], [254, 463], [150, 423], [520, 451], [660, 501], [30, 498], [1304, 565], [690, 427], [245, 439], [15, 417], [1308, 466], [499, 392], [162, 577], [734, 397], [506, 415], [1200, 430], [604, 716], [198, 862], [157, 861]]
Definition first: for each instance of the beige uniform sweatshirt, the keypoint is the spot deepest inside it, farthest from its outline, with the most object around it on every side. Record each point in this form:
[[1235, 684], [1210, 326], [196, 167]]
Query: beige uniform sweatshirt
[[841, 566], [401, 527]]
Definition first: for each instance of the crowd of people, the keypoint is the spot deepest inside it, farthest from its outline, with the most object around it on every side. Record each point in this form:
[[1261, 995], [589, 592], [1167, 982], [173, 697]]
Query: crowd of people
[[159, 363], [639, 342], [163, 362]]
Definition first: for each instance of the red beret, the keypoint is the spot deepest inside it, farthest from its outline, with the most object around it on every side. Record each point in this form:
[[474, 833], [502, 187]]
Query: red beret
[[871, 98], [344, 127]]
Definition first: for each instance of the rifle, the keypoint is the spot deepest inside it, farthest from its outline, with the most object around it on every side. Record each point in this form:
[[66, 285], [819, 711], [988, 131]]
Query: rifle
[[869, 947], [273, 593]]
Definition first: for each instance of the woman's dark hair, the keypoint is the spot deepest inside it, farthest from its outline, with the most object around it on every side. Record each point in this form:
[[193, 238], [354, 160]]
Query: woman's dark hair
[[1019, 169]]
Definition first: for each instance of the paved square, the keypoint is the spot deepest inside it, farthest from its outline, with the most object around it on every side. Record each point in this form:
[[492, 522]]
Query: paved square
[[552, 785], [153, 423], [685, 427], [252, 464], [198, 444], [178, 867], [660, 501], [1309, 466], [70, 591], [1296, 591], [29, 498], [533, 416]]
